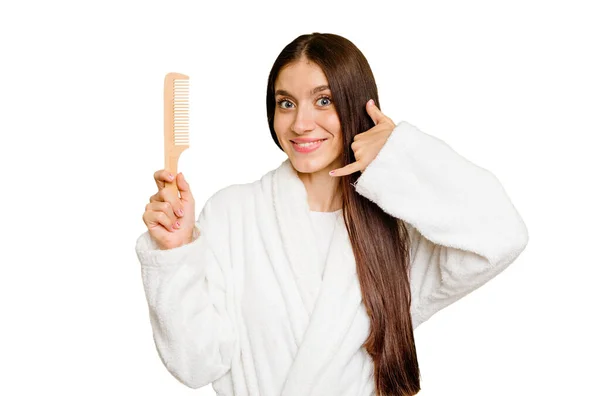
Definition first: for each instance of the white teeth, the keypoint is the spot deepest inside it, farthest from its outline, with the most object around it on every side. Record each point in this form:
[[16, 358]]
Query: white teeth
[[308, 144]]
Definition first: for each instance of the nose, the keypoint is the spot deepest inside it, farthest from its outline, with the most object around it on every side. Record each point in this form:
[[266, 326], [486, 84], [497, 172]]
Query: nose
[[304, 121]]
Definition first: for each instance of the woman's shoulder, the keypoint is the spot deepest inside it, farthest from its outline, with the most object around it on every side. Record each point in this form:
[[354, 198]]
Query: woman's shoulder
[[242, 191], [241, 196], [229, 196], [234, 195]]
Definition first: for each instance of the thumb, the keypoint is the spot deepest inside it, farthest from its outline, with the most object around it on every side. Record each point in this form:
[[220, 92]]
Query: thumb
[[184, 188]]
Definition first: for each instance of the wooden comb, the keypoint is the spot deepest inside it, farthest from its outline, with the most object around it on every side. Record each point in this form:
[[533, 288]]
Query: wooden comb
[[177, 126]]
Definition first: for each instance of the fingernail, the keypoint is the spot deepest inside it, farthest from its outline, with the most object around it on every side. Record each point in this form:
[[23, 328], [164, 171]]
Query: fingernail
[[331, 172], [370, 102], [180, 212], [170, 176], [176, 224]]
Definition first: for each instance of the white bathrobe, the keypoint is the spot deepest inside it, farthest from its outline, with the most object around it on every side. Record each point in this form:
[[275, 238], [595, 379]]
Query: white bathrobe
[[244, 306]]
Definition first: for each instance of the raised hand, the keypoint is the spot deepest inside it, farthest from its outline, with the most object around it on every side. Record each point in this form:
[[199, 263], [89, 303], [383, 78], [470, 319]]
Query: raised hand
[[366, 145], [169, 218]]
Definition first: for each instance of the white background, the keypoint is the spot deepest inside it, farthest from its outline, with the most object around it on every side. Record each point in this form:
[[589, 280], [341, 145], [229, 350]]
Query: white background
[[513, 86]]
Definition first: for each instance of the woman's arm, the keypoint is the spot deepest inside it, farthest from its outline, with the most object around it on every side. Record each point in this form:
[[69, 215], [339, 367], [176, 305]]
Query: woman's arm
[[187, 290], [463, 228]]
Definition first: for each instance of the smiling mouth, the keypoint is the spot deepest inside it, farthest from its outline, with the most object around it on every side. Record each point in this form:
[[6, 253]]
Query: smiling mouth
[[307, 148], [308, 144]]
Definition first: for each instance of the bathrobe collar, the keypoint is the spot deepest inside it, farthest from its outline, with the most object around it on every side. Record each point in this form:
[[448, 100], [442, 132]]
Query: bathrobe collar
[[326, 307]]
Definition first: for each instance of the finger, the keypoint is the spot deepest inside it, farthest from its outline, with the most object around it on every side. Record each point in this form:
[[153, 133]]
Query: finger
[[167, 209], [163, 195], [172, 198], [161, 176], [155, 198], [376, 115], [346, 170], [184, 189], [164, 207], [166, 194], [154, 218], [159, 196]]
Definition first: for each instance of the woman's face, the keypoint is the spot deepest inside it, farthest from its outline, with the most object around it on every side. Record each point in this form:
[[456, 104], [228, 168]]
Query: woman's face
[[304, 111]]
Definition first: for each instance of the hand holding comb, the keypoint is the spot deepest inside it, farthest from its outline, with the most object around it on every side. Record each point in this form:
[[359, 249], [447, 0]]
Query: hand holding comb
[[172, 225]]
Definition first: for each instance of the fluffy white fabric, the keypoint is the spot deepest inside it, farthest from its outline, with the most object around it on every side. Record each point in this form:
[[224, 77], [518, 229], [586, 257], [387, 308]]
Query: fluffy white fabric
[[244, 306], [323, 225]]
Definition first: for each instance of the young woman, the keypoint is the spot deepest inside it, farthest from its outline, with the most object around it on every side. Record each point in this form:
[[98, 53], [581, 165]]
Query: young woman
[[311, 283]]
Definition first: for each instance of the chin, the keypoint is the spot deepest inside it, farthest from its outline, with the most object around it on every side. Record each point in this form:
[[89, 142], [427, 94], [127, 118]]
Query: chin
[[305, 165]]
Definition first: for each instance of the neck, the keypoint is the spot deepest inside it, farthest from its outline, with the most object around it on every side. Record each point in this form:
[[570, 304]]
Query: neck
[[321, 189]]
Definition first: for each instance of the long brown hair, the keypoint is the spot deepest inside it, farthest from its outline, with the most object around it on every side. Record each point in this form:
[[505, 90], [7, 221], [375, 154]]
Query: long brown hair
[[379, 241]]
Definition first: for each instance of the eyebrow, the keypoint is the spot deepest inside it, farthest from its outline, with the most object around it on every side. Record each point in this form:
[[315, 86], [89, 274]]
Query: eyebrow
[[314, 91]]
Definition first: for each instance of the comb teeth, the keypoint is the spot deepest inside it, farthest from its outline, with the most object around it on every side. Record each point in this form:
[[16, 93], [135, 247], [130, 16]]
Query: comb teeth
[[181, 112]]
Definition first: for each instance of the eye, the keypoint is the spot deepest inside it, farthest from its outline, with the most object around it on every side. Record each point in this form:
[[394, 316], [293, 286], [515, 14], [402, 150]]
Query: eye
[[327, 100], [281, 101]]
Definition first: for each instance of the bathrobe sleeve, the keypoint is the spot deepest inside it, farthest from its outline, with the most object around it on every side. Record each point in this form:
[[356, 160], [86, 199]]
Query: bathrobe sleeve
[[187, 289], [462, 226]]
